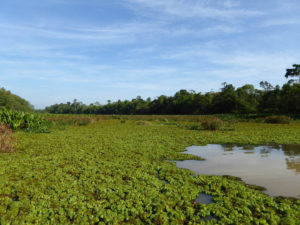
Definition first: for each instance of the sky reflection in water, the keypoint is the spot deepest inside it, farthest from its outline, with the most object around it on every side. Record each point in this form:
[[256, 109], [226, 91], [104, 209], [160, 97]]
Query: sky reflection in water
[[276, 168]]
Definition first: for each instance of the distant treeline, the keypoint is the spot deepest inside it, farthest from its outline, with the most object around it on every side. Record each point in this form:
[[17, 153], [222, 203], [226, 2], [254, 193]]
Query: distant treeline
[[245, 99], [14, 102]]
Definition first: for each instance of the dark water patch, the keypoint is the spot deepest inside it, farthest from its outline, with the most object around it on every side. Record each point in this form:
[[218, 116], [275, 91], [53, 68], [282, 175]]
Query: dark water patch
[[209, 218], [163, 180], [275, 167], [204, 199], [16, 198]]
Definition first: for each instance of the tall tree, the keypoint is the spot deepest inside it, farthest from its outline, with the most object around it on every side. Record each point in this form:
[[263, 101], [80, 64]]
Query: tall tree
[[226, 100], [11, 101], [293, 72]]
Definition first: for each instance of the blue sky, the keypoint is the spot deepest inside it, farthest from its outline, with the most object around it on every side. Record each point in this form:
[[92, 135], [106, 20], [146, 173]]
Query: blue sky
[[54, 51]]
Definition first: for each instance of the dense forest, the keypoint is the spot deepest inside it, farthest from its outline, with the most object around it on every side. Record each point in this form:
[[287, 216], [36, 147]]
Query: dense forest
[[14, 102], [242, 100], [245, 99]]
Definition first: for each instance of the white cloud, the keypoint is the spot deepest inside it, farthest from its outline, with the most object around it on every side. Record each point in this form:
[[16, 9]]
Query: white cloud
[[113, 35], [280, 22]]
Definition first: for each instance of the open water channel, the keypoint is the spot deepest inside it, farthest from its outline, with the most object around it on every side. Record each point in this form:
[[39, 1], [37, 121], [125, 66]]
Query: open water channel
[[277, 168]]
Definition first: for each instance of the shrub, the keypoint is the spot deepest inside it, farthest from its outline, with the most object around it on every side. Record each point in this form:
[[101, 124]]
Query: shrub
[[212, 123], [21, 120], [278, 119], [7, 140]]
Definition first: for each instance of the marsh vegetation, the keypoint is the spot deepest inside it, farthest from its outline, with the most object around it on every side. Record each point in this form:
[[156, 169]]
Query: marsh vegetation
[[115, 169]]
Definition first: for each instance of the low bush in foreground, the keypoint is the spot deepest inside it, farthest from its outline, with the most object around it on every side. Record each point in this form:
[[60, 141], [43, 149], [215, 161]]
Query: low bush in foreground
[[278, 119], [6, 139]]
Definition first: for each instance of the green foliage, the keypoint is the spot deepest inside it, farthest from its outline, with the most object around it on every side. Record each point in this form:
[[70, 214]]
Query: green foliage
[[290, 98], [212, 123], [278, 119], [225, 101], [21, 120], [114, 173], [294, 72], [14, 102]]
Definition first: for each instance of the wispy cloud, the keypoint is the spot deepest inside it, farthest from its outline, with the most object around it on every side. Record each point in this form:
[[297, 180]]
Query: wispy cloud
[[197, 8], [280, 22], [112, 34]]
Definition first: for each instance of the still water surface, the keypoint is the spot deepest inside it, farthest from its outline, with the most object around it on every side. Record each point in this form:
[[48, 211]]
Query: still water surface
[[277, 168]]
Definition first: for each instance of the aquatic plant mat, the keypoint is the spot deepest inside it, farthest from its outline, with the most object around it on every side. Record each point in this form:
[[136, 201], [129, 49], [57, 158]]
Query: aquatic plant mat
[[114, 172]]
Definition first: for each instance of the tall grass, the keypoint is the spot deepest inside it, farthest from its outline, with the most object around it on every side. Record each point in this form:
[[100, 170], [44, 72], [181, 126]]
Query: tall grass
[[7, 140]]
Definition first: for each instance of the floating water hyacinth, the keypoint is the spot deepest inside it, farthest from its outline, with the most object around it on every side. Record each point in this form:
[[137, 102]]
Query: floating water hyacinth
[[107, 173]]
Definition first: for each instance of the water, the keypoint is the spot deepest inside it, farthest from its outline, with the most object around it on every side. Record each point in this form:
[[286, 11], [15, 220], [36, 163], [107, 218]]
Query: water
[[277, 168], [204, 199]]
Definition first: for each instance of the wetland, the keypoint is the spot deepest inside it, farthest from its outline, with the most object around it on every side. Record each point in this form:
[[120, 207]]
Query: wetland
[[115, 170]]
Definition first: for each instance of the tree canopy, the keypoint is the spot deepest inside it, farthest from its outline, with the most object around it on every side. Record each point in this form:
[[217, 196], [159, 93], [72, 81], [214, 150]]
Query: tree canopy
[[293, 72], [12, 101], [243, 100]]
